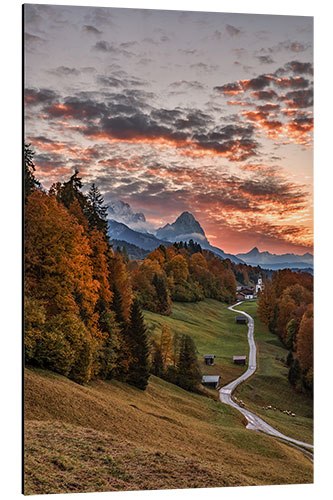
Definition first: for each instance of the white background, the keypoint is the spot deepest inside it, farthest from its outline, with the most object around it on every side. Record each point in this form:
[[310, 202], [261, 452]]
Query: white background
[[10, 210]]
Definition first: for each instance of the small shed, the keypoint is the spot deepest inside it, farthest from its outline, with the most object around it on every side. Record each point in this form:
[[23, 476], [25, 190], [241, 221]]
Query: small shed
[[239, 360], [241, 320], [209, 359], [212, 381]]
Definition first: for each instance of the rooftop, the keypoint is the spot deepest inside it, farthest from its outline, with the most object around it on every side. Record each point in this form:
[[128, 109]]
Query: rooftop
[[210, 378]]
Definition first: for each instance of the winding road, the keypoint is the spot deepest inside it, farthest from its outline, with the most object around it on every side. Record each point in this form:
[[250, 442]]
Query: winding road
[[256, 423]]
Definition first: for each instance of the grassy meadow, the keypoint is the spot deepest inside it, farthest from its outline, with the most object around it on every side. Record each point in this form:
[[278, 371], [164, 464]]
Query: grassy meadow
[[270, 385], [214, 331], [109, 436]]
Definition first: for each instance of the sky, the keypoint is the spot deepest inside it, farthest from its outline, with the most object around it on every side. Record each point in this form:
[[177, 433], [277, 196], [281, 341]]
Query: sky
[[170, 111]]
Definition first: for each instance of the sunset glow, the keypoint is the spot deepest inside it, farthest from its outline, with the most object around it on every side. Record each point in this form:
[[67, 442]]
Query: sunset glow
[[174, 111]]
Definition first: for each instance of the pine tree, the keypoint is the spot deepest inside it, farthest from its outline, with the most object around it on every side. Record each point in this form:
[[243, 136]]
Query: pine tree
[[71, 190], [295, 372], [30, 181], [290, 358], [137, 334], [123, 354], [95, 210], [188, 371]]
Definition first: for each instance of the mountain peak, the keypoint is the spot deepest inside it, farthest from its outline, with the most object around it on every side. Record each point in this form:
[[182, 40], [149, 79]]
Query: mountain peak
[[185, 216], [254, 251], [184, 227]]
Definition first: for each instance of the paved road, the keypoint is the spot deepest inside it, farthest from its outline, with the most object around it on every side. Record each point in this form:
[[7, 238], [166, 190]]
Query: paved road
[[254, 422]]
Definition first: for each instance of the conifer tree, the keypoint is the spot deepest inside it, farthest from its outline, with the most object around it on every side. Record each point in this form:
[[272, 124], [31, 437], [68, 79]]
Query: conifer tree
[[71, 190], [295, 372], [139, 365], [30, 181], [122, 350], [96, 211], [188, 371]]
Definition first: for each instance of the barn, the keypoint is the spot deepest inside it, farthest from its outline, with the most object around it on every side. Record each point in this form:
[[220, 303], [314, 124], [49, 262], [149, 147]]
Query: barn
[[212, 381], [239, 360], [209, 359], [241, 320]]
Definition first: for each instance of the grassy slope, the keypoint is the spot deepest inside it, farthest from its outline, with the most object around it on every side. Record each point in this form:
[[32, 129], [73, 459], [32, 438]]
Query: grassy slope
[[110, 436], [214, 331], [270, 385]]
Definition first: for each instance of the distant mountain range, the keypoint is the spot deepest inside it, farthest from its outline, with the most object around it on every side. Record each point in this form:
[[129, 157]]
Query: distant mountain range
[[272, 261], [185, 228]]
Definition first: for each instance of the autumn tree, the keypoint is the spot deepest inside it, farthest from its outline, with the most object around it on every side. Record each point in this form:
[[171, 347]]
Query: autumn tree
[[304, 340], [163, 301], [119, 279], [291, 331], [58, 269], [157, 366], [166, 342]]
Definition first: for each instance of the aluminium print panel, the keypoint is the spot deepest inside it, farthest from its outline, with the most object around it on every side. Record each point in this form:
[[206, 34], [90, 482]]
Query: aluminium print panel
[[168, 249]]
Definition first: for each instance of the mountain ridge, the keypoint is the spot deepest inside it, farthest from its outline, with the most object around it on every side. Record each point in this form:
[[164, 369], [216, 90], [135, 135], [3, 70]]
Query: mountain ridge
[[255, 257]]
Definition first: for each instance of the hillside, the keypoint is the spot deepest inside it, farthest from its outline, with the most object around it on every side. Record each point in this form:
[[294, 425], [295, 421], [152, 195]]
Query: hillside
[[110, 436]]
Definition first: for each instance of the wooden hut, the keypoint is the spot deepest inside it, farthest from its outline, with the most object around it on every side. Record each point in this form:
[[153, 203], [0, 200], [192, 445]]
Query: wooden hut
[[239, 360], [209, 359], [212, 381], [241, 320]]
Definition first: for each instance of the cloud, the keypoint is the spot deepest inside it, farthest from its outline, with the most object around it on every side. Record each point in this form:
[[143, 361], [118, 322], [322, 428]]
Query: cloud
[[299, 67], [232, 30], [34, 97], [189, 85], [286, 45], [295, 92], [265, 59], [88, 28], [298, 98], [65, 71], [111, 48], [204, 67]]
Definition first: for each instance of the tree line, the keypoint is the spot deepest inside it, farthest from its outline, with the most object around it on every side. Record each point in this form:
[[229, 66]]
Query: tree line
[[81, 316], [286, 307]]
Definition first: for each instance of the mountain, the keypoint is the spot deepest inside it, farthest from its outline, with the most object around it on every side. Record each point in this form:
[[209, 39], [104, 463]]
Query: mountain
[[185, 228], [274, 261], [133, 251], [119, 231], [122, 212]]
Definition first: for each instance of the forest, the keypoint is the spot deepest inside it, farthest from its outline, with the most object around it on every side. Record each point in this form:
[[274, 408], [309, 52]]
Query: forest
[[286, 307], [84, 299]]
